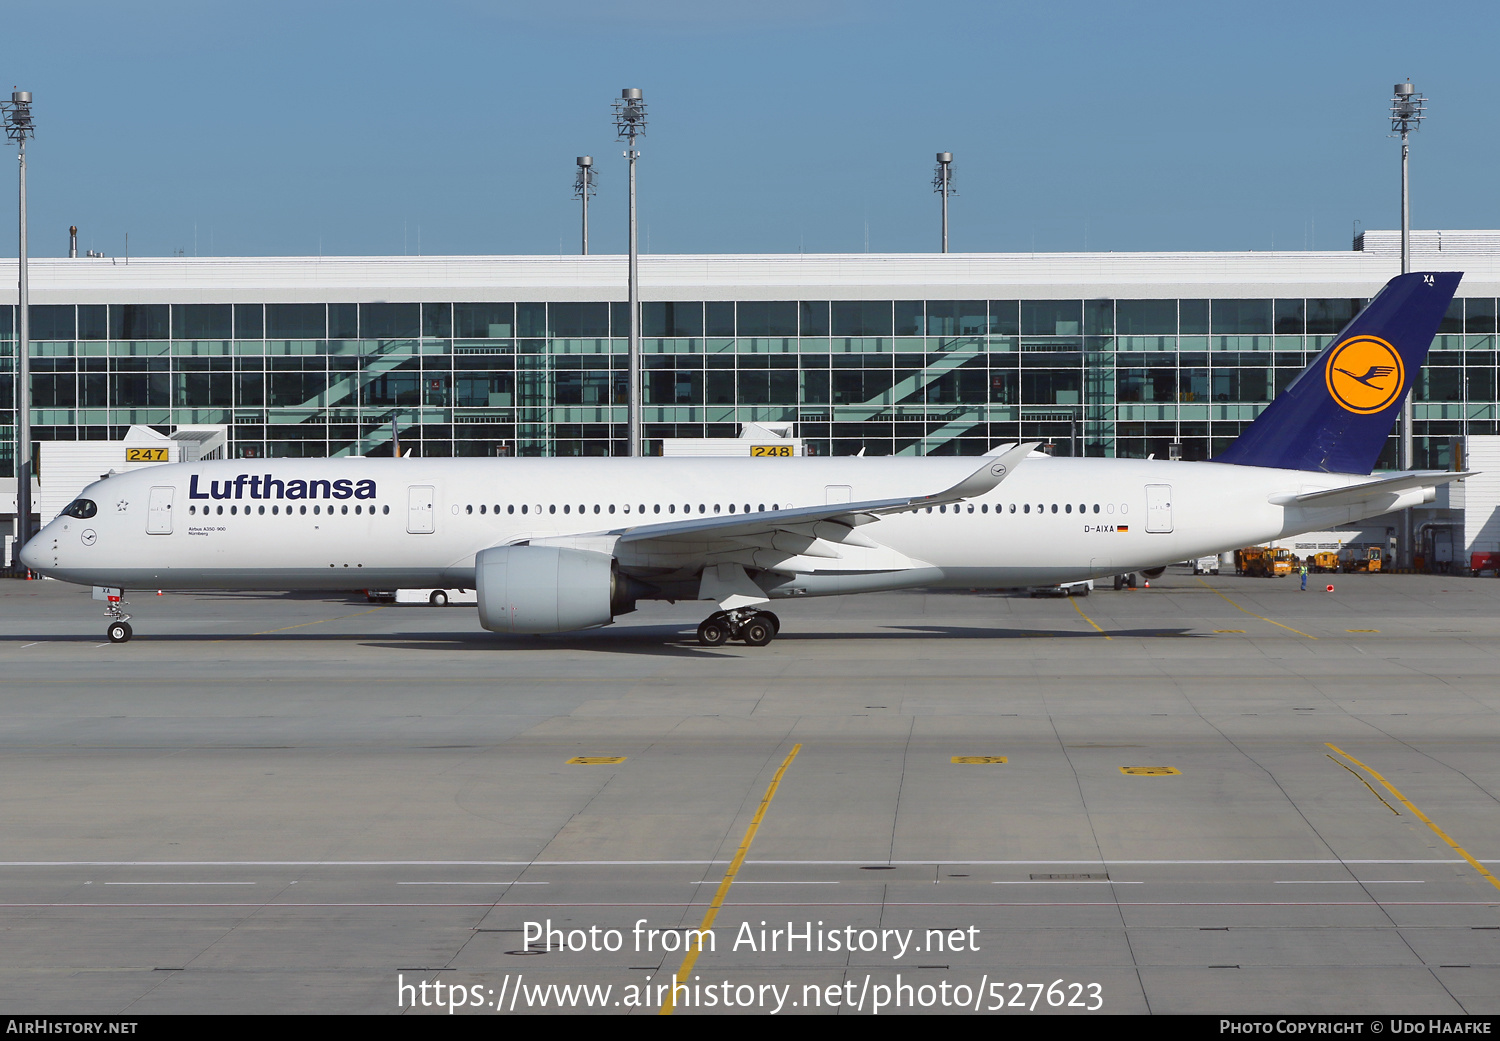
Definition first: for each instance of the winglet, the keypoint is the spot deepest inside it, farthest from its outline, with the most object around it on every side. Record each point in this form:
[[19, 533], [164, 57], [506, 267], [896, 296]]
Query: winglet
[[994, 470]]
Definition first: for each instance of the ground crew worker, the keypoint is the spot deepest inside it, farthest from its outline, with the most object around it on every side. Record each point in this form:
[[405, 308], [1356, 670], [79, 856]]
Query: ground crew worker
[[1303, 571]]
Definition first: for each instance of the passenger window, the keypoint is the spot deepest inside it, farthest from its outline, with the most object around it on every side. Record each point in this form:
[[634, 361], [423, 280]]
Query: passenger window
[[567, 508], [716, 507], [552, 508], [469, 508], [1066, 509], [511, 508], [302, 510], [261, 510], [1026, 508], [1012, 507], [191, 510], [672, 507], [1054, 507], [385, 509], [1096, 507], [612, 507], [344, 509]]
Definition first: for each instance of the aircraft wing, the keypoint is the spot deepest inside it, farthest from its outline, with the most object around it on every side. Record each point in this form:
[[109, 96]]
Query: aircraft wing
[[793, 541], [849, 514]]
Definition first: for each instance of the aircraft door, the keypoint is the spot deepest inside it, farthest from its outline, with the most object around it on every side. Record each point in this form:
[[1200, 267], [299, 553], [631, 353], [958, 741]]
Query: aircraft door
[[419, 515], [159, 511], [1159, 507]]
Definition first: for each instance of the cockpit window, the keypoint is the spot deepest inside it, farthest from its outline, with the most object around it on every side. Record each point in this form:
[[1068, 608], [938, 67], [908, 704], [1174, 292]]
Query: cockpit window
[[83, 509]]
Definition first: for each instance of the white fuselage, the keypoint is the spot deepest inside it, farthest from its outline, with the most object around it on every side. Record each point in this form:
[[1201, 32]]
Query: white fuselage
[[386, 523]]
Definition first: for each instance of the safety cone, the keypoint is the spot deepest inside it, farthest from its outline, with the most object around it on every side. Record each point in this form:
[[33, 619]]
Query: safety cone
[[1329, 589], [158, 592], [1148, 583]]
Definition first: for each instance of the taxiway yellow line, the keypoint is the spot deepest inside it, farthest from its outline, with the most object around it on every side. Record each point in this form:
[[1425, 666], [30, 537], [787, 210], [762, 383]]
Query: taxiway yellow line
[[734, 868], [1476, 865], [1086, 618], [1251, 613]]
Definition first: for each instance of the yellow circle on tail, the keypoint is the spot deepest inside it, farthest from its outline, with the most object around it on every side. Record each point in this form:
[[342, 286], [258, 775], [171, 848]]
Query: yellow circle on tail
[[1364, 374]]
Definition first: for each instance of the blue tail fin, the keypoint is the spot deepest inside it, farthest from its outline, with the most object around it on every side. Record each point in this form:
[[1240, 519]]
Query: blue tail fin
[[1336, 416]]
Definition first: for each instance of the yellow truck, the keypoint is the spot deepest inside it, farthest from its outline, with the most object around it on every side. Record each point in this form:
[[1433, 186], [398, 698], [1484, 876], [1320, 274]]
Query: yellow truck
[[1265, 562], [1357, 559]]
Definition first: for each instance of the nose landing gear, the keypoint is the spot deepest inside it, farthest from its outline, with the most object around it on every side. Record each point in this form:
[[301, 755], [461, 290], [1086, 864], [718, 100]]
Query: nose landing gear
[[118, 630], [755, 628]]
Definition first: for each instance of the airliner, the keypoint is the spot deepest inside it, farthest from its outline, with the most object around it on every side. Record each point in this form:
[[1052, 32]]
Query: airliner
[[557, 545]]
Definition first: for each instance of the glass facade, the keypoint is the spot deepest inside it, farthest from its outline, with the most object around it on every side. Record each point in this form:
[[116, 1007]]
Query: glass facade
[[1123, 378]]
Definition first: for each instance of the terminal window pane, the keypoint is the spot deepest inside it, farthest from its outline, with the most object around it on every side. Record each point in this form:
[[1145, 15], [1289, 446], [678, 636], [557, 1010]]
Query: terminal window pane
[[343, 321], [908, 318], [1289, 317], [1325, 317], [1005, 318], [249, 322], [813, 317], [669, 318], [484, 321], [7, 321], [1241, 317], [1099, 317], [93, 322], [1051, 317], [202, 322], [1192, 317], [138, 321], [768, 318], [862, 317], [718, 319], [389, 321], [52, 322], [1453, 321], [578, 320], [296, 322], [437, 320], [1146, 317], [1479, 314]]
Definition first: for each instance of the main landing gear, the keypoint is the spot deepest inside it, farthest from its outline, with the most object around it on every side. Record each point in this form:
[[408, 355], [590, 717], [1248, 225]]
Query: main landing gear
[[755, 628], [118, 630]]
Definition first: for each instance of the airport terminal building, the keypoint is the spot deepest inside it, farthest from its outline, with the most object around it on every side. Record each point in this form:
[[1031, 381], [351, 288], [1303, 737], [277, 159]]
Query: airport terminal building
[[1101, 354]]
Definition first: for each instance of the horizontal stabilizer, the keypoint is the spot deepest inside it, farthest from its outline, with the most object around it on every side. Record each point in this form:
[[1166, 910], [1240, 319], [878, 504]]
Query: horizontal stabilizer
[[1358, 493]]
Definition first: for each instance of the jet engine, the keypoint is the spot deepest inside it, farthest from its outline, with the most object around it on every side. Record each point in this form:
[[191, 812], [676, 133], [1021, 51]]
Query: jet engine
[[547, 589]]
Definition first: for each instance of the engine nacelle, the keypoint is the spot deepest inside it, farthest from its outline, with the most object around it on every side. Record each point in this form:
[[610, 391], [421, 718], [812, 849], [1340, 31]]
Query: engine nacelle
[[544, 589]]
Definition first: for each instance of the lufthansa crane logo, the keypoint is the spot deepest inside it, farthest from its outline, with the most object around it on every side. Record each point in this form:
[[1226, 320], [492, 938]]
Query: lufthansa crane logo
[[1365, 374]]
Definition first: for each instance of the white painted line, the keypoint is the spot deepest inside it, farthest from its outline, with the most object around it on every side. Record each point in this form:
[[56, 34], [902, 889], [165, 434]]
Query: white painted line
[[743, 882], [26, 645], [1352, 882], [179, 883], [1068, 882], [473, 883], [699, 863]]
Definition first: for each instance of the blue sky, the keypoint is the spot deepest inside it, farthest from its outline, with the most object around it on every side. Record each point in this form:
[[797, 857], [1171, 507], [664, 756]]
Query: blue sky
[[259, 128]]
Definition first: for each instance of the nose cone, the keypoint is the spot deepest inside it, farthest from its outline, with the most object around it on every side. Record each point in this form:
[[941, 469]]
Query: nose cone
[[31, 554]]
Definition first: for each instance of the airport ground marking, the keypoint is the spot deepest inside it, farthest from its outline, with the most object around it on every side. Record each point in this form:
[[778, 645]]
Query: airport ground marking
[[1476, 865], [1086, 618], [1251, 613], [734, 867], [1366, 783]]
